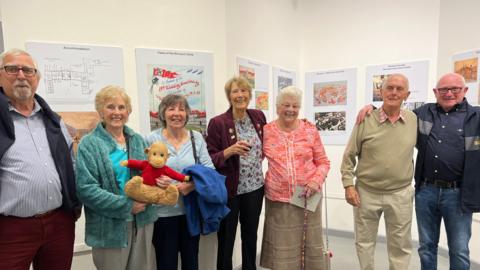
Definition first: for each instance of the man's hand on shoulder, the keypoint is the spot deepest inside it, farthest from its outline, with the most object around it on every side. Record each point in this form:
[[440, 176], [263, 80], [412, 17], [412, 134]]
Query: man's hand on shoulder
[[364, 112]]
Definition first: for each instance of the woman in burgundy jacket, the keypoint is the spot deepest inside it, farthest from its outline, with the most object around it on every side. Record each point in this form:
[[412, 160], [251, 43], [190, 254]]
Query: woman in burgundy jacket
[[234, 141]]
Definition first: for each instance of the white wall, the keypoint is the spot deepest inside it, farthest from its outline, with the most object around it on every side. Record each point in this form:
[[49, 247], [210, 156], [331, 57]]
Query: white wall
[[458, 24], [181, 24], [266, 30]]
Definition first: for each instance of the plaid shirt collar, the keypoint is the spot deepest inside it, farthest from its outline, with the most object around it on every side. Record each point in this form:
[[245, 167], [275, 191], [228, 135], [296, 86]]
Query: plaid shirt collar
[[384, 117]]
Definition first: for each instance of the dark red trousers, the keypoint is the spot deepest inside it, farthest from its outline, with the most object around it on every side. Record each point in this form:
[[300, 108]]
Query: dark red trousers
[[47, 241]]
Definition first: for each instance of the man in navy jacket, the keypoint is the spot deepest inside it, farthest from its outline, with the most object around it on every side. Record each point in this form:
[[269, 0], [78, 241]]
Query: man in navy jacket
[[38, 203], [447, 172]]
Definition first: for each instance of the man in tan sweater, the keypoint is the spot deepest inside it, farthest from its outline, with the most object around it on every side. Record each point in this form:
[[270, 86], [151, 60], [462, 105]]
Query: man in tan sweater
[[384, 146]]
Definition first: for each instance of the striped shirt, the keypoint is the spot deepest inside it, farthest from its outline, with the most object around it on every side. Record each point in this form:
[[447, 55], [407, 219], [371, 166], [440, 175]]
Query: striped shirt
[[295, 158], [29, 181]]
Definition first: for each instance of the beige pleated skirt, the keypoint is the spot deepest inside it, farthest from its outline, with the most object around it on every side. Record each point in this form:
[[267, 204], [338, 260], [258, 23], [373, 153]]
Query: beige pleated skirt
[[282, 237]]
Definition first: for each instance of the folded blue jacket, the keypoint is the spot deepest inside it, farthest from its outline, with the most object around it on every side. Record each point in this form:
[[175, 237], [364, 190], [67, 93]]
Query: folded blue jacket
[[206, 206]]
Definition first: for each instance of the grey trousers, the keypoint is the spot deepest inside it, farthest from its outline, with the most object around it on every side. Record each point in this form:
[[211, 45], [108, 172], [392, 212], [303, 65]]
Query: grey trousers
[[138, 255]]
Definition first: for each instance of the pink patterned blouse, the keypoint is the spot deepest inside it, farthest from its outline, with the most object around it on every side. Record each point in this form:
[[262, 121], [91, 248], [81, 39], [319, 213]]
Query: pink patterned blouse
[[294, 158]]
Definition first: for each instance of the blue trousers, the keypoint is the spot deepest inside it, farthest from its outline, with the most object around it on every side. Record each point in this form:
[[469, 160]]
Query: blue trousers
[[170, 236], [432, 204]]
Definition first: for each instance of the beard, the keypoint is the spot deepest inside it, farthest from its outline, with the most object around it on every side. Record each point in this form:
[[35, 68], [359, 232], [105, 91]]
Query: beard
[[22, 90]]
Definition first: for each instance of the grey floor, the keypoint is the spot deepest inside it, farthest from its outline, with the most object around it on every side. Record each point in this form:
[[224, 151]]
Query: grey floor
[[344, 256]]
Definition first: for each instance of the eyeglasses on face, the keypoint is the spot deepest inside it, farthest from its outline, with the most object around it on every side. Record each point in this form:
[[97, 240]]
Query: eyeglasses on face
[[13, 70], [454, 90]]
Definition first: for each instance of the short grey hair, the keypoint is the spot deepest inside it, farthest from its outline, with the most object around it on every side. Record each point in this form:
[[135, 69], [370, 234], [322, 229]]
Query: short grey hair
[[172, 100], [289, 91], [400, 75], [15, 52]]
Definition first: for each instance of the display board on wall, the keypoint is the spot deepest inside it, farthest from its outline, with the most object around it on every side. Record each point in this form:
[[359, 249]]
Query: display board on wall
[[72, 74], [281, 78], [330, 103], [257, 74], [415, 71], [161, 72], [466, 64]]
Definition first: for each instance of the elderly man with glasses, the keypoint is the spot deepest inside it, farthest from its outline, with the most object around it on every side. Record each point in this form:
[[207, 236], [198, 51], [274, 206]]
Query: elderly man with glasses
[[447, 172], [38, 203]]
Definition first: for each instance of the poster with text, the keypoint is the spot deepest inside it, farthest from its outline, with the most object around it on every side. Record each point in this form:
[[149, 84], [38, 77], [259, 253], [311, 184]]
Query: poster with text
[[72, 74], [257, 74], [466, 64], [162, 72], [415, 71], [281, 79], [330, 98]]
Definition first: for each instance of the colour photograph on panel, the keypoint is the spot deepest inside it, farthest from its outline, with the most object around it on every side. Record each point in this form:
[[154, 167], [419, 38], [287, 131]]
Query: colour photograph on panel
[[248, 73], [284, 82], [376, 86], [330, 93], [466, 64], [468, 68], [261, 100]]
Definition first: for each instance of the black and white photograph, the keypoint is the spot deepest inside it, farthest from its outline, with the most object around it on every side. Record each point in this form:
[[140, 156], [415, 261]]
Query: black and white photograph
[[330, 121]]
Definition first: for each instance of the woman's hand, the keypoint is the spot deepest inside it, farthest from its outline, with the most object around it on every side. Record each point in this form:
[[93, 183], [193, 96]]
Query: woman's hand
[[138, 207], [310, 189], [163, 181], [185, 187], [240, 148]]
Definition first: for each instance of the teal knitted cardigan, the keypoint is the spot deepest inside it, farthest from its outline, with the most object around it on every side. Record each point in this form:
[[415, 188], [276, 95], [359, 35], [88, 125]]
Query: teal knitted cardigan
[[106, 209]]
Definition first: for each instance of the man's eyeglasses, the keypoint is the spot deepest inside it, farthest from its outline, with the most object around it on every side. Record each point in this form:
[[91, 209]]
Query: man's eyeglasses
[[454, 90], [27, 71]]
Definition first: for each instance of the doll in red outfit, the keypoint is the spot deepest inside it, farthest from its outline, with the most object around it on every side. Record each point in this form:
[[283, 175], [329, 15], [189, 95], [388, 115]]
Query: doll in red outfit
[[144, 188]]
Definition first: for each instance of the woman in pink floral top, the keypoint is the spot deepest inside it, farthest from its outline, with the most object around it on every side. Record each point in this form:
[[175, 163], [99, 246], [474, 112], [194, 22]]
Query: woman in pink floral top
[[296, 158]]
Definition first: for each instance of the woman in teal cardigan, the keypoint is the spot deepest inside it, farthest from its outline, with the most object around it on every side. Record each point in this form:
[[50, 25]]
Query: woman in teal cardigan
[[118, 229]]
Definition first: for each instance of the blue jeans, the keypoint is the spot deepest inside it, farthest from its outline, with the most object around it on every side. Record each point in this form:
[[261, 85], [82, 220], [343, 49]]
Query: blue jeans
[[431, 205]]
